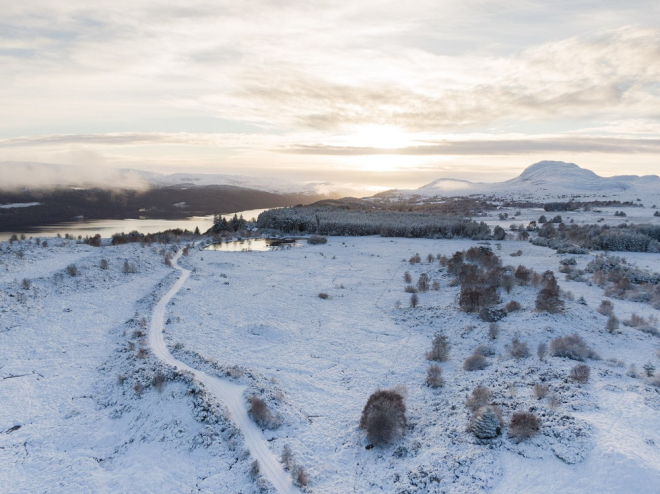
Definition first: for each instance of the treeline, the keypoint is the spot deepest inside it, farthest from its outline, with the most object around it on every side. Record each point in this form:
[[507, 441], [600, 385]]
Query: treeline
[[574, 205], [625, 238], [360, 222]]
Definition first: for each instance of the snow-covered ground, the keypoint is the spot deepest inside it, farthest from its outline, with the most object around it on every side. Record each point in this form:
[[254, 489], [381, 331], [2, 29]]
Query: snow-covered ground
[[77, 375]]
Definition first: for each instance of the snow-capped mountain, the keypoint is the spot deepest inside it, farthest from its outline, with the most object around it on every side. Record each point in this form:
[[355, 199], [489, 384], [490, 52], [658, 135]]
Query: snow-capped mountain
[[548, 180]]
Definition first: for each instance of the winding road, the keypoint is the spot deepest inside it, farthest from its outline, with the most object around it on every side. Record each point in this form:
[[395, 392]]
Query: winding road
[[229, 394]]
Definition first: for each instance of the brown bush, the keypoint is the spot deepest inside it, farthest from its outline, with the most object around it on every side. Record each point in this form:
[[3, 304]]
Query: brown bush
[[606, 308], [542, 351], [480, 396], [522, 275], [323, 296], [423, 282], [434, 377], [518, 349], [475, 362], [439, 349], [410, 289], [384, 417], [414, 300], [513, 306], [260, 413], [407, 277], [523, 425], [572, 347], [580, 373]]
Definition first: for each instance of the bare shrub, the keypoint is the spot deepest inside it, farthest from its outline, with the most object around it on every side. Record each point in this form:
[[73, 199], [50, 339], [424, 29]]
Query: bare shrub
[[540, 391], [254, 470], [580, 373], [323, 296], [430, 258], [542, 351], [572, 347], [158, 381], [606, 308], [486, 423], [287, 457], [518, 349], [493, 330], [138, 388], [523, 425], [522, 275], [513, 306], [407, 277], [260, 413], [480, 396], [553, 401], [384, 417], [128, 268], [299, 475], [317, 240], [635, 321], [439, 349], [414, 300], [435, 286], [415, 259], [72, 270], [612, 324], [410, 289], [26, 284], [475, 362], [142, 353], [103, 264], [434, 377]]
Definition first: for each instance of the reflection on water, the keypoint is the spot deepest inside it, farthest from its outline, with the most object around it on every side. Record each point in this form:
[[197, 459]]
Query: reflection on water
[[107, 228], [254, 245]]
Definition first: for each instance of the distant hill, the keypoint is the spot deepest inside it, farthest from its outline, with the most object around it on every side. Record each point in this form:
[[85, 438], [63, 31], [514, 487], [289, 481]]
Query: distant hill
[[544, 181]]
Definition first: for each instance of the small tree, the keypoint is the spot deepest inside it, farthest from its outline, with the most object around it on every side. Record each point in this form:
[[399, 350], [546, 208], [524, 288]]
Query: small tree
[[439, 349], [486, 423], [384, 417], [548, 298]]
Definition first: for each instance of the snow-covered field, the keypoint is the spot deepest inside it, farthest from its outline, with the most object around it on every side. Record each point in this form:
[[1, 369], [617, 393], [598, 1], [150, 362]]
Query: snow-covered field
[[78, 376]]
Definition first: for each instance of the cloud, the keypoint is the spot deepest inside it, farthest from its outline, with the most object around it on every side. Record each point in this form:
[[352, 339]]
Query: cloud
[[495, 147]]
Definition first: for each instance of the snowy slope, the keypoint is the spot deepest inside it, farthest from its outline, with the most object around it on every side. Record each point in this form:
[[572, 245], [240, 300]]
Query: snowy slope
[[74, 378], [549, 180]]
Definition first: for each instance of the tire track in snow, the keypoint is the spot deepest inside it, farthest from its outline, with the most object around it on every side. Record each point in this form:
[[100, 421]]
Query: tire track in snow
[[229, 394]]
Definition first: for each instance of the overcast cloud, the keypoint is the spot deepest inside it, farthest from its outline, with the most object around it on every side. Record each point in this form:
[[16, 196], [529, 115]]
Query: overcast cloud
[[294, 87]]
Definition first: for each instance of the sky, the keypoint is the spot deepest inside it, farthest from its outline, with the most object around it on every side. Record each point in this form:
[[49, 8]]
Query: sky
[[376, 94]]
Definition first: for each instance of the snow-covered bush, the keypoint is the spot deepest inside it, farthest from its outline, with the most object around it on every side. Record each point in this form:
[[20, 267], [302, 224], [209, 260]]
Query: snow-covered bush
[[434, 377], [606, 308], [523, 425], [612, 323], [475, 362], [572, 347], [540, 391], [439, 349], [486, 423], [480, 396], [384, 417], [518, 349], [72, 270], [485, 350], [542, 350]]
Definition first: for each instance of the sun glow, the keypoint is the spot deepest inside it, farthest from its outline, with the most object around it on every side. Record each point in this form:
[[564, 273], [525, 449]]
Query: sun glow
[[377, 136]]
